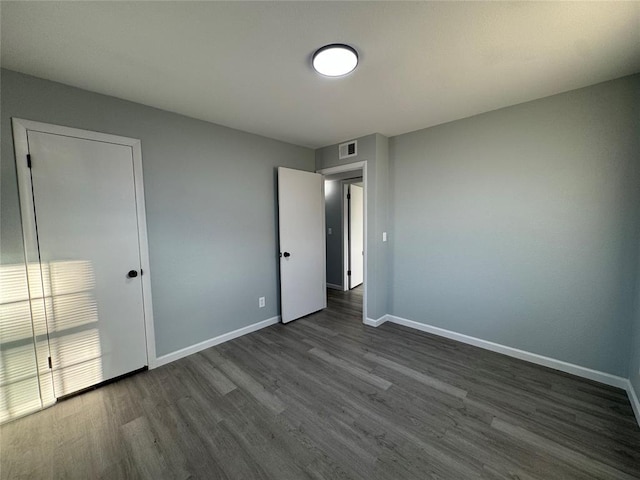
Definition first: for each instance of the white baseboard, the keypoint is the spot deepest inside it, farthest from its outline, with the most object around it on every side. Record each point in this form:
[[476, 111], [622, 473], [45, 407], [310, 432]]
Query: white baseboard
[[184, 352], [584, 372], [375, 323], [333, 286], [567, 367], [633, 398]]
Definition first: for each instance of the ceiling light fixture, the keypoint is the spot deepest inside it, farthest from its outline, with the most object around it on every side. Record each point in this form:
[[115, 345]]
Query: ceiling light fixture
[[335, 60]]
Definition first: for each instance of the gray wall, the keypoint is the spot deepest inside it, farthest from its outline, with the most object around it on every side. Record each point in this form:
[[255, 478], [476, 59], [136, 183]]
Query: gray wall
[[210, 197], [521, 226], [374, 149], [333, 220]]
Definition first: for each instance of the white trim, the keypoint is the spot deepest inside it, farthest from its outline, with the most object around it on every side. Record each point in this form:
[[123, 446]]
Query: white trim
[[34, 286], [349, 167], [333, 286], [633, 398], [73, 132], [225, 337], [21, 146], [567, 367], [375, 323], [584, 372], [150, 334]]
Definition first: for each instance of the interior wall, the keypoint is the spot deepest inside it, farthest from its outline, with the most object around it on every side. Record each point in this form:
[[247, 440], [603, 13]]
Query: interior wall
[[333, 221], [374, 149], [521, 226], [210, 195]]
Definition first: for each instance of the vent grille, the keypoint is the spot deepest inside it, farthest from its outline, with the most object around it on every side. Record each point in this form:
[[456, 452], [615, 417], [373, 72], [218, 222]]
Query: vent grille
[[349, 149]]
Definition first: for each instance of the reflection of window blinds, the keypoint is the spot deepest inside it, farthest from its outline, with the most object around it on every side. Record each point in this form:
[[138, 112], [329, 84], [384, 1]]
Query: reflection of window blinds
[[73, 340], [19, 389], [72, 319]]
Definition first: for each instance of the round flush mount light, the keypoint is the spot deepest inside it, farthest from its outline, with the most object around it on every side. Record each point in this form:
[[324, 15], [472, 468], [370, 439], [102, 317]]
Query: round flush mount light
[[335, 60]]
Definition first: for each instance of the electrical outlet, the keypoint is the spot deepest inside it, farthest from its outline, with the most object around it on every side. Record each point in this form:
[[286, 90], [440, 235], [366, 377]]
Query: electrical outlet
[[261, 302], [330, 231]]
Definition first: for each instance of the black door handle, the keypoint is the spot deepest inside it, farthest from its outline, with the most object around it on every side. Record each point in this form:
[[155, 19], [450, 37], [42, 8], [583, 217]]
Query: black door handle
[[132, 274], [287, 254]]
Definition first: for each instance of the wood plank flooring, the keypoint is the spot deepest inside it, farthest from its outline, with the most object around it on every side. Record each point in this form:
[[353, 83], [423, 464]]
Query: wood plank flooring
[[326, 397]]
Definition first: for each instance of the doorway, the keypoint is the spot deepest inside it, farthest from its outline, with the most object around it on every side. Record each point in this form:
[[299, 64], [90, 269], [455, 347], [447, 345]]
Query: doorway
[[346, 240]]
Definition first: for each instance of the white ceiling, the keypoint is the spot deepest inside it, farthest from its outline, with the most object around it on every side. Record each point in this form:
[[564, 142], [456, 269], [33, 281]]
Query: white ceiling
[[247, 65]]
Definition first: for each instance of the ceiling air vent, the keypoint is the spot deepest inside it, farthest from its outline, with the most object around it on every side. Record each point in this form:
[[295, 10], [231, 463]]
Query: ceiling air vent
[[349, 149]]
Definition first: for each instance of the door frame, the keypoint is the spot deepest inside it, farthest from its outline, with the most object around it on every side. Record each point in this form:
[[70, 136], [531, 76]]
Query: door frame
[[349, 167], [29, 232]]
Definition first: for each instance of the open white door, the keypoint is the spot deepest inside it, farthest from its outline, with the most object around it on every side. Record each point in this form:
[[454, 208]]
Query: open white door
[[356, 235], [302, 243]]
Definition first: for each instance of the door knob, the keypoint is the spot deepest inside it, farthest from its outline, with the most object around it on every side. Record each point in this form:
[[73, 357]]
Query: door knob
[[132, 274], [287, 254]]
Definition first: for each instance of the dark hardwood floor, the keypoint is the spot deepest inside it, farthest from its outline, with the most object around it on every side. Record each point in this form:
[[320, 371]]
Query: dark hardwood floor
[[327, 397]]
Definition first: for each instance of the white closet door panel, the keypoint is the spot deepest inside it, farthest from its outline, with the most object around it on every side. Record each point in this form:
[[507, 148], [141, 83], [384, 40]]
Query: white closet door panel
[[85, 206]]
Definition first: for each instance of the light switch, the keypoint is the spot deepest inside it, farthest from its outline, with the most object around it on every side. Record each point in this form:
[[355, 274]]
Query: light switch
[[330, 231], [384, 236]]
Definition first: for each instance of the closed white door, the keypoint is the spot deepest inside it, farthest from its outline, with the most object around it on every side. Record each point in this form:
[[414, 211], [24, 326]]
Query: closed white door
[[87, 233], [356, 235], [302, 243]]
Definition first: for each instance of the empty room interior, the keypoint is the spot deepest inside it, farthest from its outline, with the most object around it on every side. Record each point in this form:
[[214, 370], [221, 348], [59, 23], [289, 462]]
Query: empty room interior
[[291, 240]]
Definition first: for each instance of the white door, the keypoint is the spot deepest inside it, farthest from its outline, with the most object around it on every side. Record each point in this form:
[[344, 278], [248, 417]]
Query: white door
[[87, 230], [302, 243], [356, 235]]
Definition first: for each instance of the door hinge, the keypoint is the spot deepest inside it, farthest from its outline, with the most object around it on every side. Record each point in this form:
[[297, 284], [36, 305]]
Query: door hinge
[[348, 272], [28, 160], [348, 196], [50, 364]]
